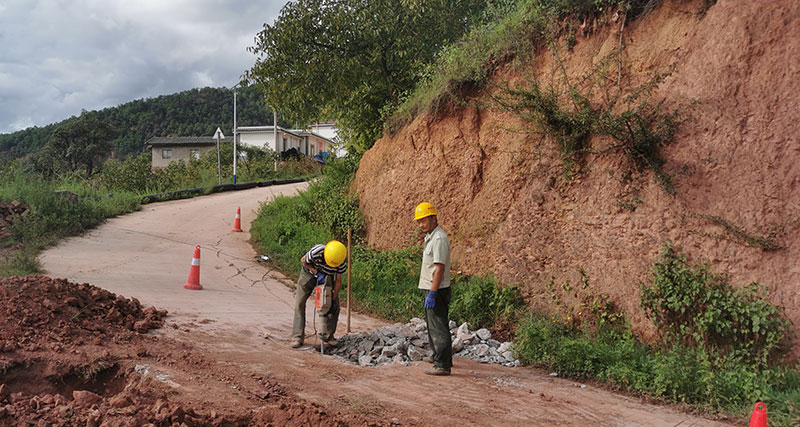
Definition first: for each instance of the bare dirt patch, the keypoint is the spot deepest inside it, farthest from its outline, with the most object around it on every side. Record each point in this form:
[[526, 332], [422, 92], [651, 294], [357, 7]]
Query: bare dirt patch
[[75, 354]]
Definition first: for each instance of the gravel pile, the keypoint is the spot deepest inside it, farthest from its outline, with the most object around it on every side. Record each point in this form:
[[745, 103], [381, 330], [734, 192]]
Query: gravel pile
[[405, 343]]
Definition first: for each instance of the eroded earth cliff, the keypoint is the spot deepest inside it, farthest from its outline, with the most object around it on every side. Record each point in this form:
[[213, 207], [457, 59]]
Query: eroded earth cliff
[[734, 77]]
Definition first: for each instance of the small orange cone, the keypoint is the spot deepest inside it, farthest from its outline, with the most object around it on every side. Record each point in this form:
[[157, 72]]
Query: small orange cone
[[759, 416], [194, 272], [237, 223]]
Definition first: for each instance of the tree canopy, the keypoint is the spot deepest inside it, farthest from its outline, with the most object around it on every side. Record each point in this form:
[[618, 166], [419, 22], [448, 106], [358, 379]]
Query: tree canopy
[[349, 60]]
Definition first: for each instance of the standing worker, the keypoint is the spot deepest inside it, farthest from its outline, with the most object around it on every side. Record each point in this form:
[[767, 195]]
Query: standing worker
[[435, 278], [323, 265]]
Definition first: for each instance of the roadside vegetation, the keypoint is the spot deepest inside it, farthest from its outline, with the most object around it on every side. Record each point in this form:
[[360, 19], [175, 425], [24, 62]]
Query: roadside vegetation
[[62, 202]]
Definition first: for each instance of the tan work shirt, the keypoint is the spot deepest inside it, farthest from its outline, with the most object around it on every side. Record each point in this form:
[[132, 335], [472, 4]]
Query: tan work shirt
[[437, 251]]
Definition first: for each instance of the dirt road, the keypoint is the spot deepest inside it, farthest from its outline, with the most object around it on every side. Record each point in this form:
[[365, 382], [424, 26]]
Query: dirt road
[[242, 319]]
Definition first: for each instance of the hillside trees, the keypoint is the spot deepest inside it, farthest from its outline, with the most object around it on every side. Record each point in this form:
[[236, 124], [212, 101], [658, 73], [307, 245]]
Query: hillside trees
[[350, 59], [79, 145], [194, 112]]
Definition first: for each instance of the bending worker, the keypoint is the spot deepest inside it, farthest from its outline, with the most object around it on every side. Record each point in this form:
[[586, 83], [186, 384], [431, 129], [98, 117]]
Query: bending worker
[[435, 279], [323, 265]]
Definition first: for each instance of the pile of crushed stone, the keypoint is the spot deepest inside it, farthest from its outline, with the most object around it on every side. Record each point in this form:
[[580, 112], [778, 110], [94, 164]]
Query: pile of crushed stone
[[406, 343]]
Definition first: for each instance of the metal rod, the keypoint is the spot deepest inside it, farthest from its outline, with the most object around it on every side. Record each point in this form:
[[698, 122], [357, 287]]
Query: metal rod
[[234, 137], [219, 167], [349, 268]]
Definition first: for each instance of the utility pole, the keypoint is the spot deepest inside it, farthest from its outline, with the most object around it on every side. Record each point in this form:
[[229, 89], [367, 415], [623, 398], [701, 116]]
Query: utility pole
[[234, 137], [275, 136]]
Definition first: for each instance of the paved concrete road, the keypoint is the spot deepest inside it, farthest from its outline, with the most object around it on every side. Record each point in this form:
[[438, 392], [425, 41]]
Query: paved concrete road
[[147, 255]]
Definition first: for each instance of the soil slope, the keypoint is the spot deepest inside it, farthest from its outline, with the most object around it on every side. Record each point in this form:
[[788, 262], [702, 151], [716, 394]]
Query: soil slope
[[735, 165]]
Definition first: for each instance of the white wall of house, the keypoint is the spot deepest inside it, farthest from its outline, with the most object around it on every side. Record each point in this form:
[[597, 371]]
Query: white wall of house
[[302, 140], [264, 137]]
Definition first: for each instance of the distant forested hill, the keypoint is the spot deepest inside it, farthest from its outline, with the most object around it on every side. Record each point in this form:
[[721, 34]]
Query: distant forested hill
[[193, 112]]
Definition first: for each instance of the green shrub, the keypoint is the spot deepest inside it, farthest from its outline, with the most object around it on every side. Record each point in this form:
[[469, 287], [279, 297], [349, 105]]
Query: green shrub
[[333, 206], [479, 301], [385, 282], [695, 307]]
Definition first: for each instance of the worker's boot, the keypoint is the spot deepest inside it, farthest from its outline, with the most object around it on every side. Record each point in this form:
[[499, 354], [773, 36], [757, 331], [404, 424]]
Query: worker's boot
[[296, 343], [331, 342], [438, 371]]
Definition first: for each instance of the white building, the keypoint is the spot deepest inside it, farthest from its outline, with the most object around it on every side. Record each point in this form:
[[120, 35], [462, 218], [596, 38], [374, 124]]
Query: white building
[[278, 139]]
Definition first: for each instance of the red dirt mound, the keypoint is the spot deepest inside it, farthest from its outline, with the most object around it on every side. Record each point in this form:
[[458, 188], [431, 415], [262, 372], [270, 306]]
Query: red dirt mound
[[39, 312], [74, 354]]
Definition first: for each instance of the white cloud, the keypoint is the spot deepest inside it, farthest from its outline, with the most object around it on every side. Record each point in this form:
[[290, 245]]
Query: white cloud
[[60, 56]]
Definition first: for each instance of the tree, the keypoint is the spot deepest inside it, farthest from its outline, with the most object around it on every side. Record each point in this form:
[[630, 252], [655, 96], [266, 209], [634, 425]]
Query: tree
[[81, 144], [349, 59]]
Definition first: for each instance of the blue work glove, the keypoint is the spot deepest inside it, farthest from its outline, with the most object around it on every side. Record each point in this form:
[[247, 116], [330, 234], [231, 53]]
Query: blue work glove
[[430, 299], [320, 278]]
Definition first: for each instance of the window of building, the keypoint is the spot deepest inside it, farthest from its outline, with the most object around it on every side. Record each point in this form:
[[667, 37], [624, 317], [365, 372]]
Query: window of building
[[194, 153], [312, 150], [166, 153]]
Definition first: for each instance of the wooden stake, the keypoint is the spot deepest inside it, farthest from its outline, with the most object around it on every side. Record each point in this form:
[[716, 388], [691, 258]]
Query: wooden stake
[[349, 268]]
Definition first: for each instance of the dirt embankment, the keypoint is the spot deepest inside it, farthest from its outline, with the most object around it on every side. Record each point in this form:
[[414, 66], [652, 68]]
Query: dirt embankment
[[735, 165]]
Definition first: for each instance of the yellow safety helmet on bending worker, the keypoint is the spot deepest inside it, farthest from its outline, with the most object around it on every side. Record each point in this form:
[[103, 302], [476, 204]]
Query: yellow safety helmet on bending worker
[[423, 210], [335, 253]]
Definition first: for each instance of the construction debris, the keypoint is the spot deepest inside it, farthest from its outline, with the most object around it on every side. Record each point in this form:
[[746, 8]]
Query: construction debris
[[406, 343]]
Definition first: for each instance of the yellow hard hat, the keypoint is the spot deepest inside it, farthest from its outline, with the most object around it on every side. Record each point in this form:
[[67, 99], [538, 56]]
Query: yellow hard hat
[[423, 210], [335, 253]]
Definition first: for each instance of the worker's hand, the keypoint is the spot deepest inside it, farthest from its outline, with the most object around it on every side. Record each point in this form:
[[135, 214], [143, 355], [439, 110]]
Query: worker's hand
[[320, 278], [430, 299]]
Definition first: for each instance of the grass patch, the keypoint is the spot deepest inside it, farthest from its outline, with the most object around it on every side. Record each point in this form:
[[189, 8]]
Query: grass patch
[[52, 217]]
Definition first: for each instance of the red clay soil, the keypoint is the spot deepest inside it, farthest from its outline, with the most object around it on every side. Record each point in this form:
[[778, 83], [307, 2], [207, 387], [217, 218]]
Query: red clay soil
[[74, 354], [498, 183]]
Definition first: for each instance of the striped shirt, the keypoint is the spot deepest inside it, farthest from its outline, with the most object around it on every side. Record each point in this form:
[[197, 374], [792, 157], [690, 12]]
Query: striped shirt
[[316, 257]]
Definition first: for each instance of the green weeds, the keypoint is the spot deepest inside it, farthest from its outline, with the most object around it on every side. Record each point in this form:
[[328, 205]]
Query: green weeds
[[694, 307], [720, 347], [638, 130], [53, 216]]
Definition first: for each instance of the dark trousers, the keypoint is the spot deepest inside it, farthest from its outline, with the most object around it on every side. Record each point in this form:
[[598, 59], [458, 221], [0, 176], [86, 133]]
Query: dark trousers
[[327, 321], [438, 319]]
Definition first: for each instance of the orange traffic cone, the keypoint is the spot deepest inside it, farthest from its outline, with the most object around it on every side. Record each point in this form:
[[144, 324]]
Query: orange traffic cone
[[759, 416], [194, 272], [237, 223]]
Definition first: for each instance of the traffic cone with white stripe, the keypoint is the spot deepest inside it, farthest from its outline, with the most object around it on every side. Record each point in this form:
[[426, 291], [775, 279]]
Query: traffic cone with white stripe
[[237, 223], [194, 272]]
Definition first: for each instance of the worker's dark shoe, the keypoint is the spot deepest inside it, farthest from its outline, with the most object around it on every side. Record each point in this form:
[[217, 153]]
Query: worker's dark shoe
[[427, 359], [438, 371], [296, 343], [332, 342]]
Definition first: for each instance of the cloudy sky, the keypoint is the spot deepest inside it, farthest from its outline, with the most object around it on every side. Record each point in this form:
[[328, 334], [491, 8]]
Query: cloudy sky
[[60, 56]]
